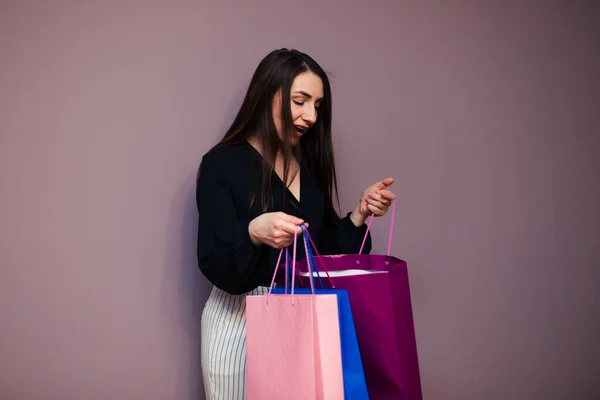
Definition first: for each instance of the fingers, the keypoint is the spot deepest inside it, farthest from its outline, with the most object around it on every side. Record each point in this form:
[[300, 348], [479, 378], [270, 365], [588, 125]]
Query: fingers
[[375, 210], [378, 203], [384, 197], [381, 200], [280, 243], [289, 228], [387, 195], [285, 227], [292, 219], [283, 235]]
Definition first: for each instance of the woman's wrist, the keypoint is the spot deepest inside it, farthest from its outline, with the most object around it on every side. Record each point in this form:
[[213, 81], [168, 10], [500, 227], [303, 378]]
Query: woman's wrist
[[255, 240], [358, 218]]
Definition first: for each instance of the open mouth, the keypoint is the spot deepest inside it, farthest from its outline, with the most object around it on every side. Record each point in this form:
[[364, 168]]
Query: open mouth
[[300, 130]]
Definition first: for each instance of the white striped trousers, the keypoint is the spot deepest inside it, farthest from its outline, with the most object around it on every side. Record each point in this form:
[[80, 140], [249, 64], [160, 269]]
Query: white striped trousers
[[224, 345]]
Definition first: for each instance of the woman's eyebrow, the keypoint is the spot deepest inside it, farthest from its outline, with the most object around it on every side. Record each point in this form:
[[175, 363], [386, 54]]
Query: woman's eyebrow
[[303, 93], [306, 94]]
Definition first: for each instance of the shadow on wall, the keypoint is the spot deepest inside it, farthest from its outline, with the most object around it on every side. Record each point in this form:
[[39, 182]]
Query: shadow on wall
[[184, 291]]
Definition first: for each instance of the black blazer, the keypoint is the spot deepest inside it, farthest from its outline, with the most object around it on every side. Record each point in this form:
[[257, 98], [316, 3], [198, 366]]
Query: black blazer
[[227, 257]]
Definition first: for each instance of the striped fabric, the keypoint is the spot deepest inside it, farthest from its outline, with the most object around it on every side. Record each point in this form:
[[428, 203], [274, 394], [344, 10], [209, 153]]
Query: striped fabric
[[224, 345]]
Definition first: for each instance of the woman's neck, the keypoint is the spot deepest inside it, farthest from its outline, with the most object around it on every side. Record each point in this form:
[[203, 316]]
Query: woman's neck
[[255, 143]]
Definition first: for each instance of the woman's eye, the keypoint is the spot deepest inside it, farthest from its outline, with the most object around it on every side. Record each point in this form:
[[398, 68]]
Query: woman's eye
[[298, 103]]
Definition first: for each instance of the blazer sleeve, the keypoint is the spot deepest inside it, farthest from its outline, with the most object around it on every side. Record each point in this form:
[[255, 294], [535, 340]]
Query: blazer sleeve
[[342, 237], [226, 254]]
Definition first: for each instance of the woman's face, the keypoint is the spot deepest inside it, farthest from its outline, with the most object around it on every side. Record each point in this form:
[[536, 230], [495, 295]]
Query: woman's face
[[306, 97]]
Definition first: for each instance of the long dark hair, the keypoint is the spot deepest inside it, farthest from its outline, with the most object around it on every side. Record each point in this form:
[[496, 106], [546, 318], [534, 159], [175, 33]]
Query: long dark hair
[[276, 72]]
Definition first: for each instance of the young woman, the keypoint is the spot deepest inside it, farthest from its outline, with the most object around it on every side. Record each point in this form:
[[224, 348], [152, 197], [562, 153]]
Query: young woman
[[273, 171]]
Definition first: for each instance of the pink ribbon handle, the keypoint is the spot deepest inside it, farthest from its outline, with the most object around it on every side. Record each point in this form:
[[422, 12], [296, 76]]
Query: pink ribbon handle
[[389, 249], [293, 270], [275, 274]]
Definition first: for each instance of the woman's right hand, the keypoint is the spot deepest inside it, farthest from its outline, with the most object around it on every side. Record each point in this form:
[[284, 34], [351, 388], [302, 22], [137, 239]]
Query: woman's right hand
[[275, 229]]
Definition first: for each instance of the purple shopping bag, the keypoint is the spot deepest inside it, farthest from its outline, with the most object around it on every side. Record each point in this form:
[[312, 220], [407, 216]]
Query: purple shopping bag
[[379, 292]]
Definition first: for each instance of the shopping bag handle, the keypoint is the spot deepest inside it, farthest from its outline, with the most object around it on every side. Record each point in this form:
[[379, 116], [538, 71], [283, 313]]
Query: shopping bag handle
[[389, 250], [293, 270], [311, 257], [310, 262]]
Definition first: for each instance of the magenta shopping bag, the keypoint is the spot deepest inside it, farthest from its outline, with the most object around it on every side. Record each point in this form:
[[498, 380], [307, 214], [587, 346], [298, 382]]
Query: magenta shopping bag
[[379, 292]]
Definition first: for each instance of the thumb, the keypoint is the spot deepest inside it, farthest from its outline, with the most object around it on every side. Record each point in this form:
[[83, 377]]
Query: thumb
[[294, 220], [384, 183]]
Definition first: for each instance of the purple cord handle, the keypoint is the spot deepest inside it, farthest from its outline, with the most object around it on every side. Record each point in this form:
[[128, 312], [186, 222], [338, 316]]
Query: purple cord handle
[[389, 251], [318, 257]]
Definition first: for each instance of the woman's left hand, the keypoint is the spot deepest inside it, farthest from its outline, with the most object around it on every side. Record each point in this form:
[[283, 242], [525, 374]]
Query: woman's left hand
[[375, 199]]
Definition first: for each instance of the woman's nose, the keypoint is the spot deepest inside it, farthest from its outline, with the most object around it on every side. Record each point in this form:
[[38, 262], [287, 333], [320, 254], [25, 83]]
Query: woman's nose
[[310, 116]]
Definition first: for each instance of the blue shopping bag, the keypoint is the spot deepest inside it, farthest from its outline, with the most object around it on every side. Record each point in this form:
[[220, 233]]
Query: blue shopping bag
[[355, 386]]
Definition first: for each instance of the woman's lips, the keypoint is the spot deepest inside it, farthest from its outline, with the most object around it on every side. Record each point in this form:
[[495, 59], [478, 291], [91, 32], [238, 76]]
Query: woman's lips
[[300, 130]]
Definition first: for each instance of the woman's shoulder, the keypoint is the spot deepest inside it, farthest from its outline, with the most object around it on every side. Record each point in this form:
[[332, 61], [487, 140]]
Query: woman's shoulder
[[228, 157]]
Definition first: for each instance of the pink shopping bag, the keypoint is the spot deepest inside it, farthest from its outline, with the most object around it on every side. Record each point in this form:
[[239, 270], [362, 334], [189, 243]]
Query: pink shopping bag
[[293, 348]]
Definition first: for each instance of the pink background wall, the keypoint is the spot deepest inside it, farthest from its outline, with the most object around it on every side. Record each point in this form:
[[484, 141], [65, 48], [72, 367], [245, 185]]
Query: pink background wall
[[486, 113]]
